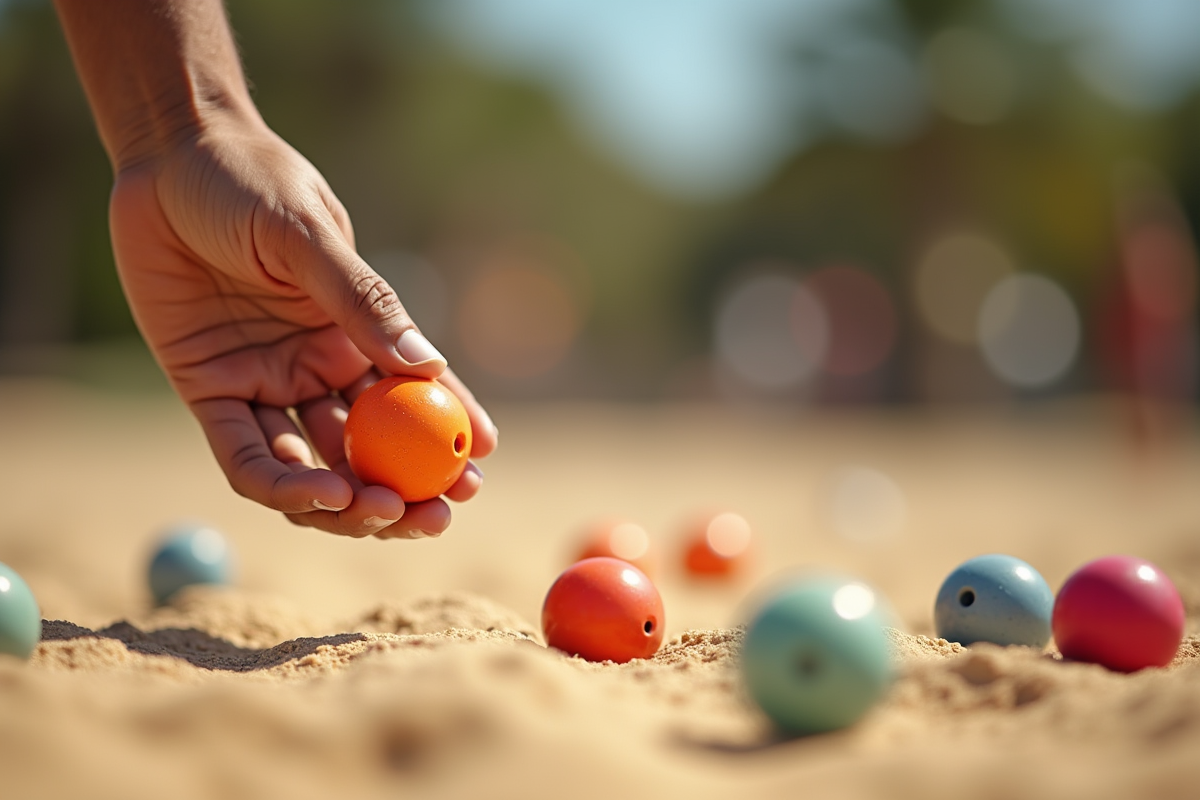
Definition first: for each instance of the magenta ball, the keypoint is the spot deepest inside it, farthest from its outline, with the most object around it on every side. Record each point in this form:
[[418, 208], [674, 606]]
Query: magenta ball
[[1121, 612]]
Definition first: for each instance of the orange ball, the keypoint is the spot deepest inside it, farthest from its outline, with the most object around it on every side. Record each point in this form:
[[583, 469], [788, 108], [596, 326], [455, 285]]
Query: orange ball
[[411, 435], [718, 546], [603, 609], [618, 538]]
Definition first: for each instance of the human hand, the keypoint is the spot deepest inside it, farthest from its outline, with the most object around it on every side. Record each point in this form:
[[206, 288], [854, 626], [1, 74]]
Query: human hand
[[239, 265]]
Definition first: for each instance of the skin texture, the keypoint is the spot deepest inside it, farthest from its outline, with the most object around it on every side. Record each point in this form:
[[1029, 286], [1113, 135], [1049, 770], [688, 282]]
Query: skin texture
[[239, 265]]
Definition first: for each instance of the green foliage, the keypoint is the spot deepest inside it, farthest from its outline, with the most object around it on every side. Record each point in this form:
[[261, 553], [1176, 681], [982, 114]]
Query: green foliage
[[426, 147]]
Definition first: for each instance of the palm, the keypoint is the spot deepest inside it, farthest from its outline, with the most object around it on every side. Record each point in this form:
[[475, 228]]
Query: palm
[[200, 280], [239, 265]]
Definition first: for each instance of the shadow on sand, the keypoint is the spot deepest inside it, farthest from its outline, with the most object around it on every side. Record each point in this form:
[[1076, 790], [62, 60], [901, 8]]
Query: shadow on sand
[[195, 646]]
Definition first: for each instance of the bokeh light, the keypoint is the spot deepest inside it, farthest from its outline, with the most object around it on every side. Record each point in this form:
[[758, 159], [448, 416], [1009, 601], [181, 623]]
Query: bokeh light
[[853, 601], [1139, 54], [862, 319], [1160, 268], [629, 541], [865, 505], [728, 534], [871, 90], [1148, 324], [953, 278], [519, 316], [772, 331], [591, 182], [970, 77], [1029, 331]]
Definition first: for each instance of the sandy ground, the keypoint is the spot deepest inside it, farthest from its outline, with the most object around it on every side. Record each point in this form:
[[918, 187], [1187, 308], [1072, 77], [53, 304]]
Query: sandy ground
[[365, 669]]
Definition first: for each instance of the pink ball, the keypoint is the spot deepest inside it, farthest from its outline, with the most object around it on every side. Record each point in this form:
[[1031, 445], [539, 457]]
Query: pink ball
[[1121, 612]]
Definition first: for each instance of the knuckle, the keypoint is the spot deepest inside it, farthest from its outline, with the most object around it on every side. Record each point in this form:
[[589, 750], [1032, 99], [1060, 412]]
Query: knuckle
[[283, 227], [285, 231], [371, 294]]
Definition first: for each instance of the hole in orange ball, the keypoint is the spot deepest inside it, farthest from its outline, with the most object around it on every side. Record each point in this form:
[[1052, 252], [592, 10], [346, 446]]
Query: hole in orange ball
[[460, 442], [648, 627]]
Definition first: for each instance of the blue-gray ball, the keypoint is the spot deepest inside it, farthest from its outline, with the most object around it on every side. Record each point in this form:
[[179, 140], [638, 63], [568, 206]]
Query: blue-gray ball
[[995, 598], [189, 555]]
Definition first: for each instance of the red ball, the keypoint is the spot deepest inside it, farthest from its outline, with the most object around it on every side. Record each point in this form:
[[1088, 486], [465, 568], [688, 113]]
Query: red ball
[[718, 546], [603, 609], [1121, 612]]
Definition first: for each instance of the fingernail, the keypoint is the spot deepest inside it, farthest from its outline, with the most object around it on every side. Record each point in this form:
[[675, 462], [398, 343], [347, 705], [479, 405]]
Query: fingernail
[[426, 534], [415, 349], [323, 506], [471, 465], [377, 522]]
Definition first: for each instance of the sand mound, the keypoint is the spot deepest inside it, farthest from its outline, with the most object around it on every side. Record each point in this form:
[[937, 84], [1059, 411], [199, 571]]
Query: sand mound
[[348, 669], [453, 695]]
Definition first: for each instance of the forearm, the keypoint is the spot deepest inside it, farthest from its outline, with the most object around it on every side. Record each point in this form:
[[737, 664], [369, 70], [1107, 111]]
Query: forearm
[[153, 70]]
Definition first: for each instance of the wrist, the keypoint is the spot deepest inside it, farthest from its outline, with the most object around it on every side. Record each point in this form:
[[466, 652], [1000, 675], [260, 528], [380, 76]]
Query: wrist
[[154, 71], [158, 127]]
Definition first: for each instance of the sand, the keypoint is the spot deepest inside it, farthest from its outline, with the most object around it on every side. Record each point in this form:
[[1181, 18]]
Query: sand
[[381, 669]]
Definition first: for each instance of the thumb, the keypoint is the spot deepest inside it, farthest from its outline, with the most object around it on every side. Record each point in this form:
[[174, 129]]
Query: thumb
[[366, 307]]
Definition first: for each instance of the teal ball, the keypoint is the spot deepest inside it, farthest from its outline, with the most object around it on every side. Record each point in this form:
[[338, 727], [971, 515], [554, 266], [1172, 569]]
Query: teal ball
[[189, 555], [994, 598], [816, 656], [20, 617]]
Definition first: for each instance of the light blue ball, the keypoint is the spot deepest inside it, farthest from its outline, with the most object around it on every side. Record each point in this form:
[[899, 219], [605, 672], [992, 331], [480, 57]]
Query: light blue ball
[[189, 555], [20, 617], [995, 598], [816, 657]]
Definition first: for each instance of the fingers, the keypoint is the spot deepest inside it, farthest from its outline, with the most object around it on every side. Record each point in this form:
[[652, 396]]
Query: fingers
[[467, 485], [284, 438], [421, 520], [371, 515], [267, 459], [325, 421], [366, 381], [484, 434], [363, 305], [240, 443], [373, 511]]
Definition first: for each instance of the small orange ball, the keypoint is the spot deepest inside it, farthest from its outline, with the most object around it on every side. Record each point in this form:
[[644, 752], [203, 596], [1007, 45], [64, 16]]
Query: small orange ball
[[618, 538], [718, 546], [411, 435], [603, 609]]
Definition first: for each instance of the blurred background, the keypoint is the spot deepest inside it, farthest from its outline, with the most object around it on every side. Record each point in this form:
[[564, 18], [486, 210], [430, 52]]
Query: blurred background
[[807, 201], [944, 249]]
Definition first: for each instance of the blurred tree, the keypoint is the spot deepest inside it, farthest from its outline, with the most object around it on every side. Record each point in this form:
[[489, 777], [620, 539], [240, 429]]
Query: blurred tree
[[57, 283], [434, 154], [1038, 178]]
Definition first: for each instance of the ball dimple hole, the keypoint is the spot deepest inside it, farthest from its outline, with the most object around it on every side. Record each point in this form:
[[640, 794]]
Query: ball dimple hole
[[966, 597], [808, 665], [648, 627], [460, 442]]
